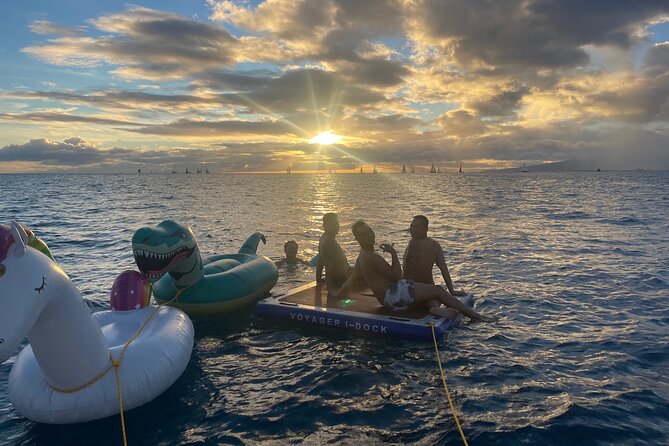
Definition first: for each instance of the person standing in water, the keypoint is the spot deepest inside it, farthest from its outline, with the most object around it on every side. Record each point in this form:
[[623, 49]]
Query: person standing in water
[[331, 256]]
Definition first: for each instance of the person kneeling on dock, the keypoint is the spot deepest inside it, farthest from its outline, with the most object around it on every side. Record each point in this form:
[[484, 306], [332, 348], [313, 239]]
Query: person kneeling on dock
[[386, 281]]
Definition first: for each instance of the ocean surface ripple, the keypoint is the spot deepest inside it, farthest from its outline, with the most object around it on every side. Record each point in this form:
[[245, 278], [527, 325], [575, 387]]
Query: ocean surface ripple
[[575, 265]]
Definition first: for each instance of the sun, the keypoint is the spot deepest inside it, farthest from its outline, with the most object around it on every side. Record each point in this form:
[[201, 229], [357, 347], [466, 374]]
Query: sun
[[325, 138]]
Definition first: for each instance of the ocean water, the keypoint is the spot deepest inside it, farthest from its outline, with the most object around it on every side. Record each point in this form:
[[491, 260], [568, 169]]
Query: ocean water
[[575, 266]]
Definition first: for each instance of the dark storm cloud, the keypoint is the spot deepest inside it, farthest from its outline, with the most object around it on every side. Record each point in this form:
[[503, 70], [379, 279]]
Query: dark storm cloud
[[72, 152], [535, 33]]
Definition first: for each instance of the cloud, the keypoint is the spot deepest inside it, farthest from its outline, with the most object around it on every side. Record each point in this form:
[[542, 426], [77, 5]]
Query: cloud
[[343, 34], [501, 104], [71, 152], [312, 88], [517, 34], [120, 99], [656, 61], [403, 80], [218, 129], [145, 43], [46, 117], [46, 27]]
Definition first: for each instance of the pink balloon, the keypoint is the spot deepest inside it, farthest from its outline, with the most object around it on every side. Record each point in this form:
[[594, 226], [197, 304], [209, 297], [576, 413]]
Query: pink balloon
[[131, 291]]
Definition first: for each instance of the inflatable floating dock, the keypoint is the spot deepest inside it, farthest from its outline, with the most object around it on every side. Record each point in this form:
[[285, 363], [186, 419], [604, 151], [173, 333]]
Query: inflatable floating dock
[[359, 313]]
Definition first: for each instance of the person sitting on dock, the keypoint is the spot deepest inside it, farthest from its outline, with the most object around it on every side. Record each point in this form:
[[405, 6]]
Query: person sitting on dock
[[422, 253], [291, 259], [420, 256], [331, 256], [386, 281]]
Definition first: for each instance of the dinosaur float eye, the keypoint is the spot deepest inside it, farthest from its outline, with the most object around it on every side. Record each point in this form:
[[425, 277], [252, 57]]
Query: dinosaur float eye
[[2, 340], [2, 270]]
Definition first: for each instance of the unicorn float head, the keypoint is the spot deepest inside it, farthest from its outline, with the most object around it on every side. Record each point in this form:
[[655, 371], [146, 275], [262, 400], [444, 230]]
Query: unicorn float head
[[62, 376], [29, 279]]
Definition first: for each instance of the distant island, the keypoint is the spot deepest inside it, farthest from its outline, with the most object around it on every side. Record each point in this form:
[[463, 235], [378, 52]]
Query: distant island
[[559, 166]]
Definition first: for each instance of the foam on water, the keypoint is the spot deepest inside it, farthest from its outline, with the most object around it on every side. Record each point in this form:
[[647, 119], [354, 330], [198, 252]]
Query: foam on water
[[574, 265]]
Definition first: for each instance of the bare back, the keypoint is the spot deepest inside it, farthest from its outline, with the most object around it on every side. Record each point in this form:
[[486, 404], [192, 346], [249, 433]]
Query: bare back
[[376, 272], [420, 257], [334, 260]]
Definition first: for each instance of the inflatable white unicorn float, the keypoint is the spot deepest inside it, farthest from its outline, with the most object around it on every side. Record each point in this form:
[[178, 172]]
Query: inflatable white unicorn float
[[70, 370]]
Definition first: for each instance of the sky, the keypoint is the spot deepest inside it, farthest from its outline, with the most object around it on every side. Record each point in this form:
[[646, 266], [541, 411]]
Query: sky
[[247, 86]]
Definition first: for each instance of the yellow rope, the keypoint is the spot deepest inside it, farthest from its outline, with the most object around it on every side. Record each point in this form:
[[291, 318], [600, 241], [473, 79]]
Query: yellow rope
[[117, 368], [448, 393], [87, 384], [116, 365]]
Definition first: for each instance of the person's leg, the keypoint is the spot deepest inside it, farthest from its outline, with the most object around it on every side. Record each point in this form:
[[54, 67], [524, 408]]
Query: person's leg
[[425, 292], [448, 313]]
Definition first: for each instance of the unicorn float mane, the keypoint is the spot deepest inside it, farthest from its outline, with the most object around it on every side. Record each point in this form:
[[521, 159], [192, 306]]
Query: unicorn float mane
[[6, 241]]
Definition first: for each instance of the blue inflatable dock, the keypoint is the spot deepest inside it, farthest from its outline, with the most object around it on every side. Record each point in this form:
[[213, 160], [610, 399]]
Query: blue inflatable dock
[[359, 314]]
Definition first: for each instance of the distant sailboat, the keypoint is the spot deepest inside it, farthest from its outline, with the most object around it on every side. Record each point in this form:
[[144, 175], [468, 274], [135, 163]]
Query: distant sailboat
[[460, 171], [199, 170], [524, 168], [404, 168], [206, 170], [174, 171], [361, 171], [187, 170], [412, 170], [433, 169], [288, 170], [139, 170], [374, 171]]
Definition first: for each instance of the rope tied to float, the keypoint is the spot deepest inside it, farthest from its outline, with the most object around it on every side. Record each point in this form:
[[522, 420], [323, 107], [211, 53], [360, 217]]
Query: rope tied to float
[[116, 365], [448, 393]]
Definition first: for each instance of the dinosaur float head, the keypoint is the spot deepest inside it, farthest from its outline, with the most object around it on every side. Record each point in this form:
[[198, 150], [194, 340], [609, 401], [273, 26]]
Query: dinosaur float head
[[168, 248]]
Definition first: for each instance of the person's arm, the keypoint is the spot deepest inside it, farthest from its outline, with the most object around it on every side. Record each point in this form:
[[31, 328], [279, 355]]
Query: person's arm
[[395, 272], [441, 264], [404, 259], [321, 263]]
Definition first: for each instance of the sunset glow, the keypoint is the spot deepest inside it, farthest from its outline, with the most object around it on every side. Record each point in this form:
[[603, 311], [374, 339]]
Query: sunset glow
[[236, 85], [325, 138]]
